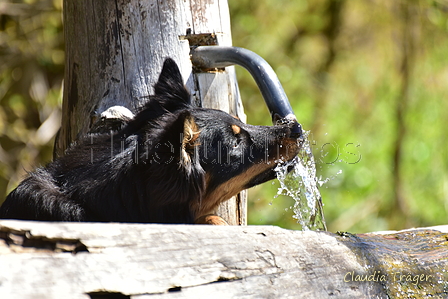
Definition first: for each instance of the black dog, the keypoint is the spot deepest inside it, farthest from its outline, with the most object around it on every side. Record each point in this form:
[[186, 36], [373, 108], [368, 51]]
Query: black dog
[[172, 163]]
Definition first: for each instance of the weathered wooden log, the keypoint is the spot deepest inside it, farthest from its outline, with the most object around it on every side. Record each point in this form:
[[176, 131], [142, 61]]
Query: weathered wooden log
[[93, 260], [114, 55]]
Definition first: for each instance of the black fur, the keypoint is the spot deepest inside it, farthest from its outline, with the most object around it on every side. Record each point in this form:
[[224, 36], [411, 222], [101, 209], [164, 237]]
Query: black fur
[[170, 164]]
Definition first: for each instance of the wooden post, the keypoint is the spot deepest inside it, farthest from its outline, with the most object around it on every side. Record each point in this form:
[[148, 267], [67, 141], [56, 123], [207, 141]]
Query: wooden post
[[114, 53]]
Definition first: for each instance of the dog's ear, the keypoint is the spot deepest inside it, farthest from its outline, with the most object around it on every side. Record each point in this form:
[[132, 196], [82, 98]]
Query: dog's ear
[[190, 139], [170, 96], [176, 150], [175, 138], [170, 87]]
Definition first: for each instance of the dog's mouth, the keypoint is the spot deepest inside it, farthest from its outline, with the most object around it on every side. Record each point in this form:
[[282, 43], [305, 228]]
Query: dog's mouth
[[270, 173], [288, 146], [258, 173], [263, 177]]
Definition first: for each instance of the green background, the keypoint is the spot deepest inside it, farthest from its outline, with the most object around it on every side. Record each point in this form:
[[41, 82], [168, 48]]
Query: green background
[[368, 79]]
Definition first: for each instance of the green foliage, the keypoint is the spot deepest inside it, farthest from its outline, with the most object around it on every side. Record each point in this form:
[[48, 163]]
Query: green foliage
[[341, 64], [31, 72], [355, 72]]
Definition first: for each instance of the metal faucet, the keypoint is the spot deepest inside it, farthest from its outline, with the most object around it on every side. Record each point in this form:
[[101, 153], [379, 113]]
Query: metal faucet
[[210, 57]]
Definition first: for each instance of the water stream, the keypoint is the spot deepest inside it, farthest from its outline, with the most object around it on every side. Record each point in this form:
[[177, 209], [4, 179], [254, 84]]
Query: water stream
[[301, 184]]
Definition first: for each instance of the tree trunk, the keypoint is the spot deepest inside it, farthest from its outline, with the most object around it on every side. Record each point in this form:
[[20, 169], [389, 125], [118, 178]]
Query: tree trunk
[[114, 54], [97, 260]]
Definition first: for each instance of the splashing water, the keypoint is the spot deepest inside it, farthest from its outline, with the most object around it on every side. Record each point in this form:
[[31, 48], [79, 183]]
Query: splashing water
[[298, 180]]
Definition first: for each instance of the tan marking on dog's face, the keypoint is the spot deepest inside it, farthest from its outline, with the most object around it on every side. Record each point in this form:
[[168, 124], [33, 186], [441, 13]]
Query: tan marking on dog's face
[[290, 148], [225, 191], [236, 129]]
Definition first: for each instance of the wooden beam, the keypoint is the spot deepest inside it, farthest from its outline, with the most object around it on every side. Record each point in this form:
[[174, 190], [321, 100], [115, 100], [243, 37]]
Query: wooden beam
[[93, 260]]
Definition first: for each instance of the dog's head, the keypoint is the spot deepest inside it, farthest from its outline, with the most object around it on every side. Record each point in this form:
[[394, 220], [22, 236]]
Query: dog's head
[[215, 154]]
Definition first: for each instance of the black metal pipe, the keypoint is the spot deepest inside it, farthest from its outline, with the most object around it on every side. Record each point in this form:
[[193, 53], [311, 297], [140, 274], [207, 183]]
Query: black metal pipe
[[208, 57]]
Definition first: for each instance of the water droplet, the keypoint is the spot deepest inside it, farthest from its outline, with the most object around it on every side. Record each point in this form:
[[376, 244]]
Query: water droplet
[[301, 184]]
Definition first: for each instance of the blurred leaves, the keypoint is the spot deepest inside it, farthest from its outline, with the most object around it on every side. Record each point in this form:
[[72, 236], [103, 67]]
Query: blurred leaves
[[341, 64], [31, 73]]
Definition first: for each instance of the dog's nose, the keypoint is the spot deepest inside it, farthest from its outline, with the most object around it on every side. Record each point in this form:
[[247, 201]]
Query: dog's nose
[[296, 131]]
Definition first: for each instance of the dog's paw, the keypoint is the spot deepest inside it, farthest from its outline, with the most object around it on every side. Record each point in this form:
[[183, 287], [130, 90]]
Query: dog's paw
[[211, 219]]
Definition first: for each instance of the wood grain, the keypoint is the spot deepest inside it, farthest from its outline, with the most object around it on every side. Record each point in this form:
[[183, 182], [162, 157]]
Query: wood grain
[[197, 261], [114, 54]]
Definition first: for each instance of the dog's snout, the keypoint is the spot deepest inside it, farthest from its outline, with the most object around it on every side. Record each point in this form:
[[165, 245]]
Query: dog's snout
[[296, 131]]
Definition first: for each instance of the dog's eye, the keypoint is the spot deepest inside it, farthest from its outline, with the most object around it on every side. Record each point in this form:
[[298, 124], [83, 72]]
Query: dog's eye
[[238, 139], [238, 136], [237, 133]]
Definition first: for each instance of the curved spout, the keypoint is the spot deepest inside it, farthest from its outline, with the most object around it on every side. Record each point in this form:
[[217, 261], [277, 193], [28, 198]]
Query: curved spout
[[219, 57]]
